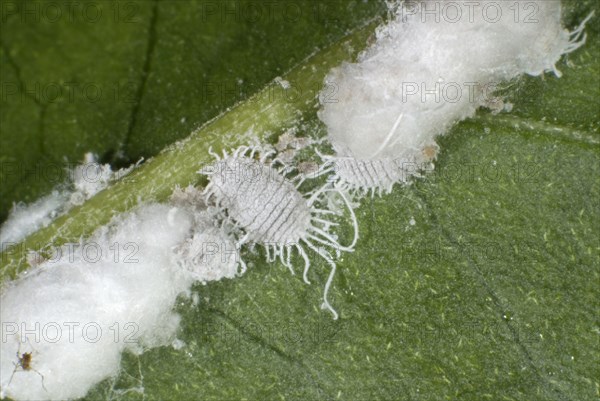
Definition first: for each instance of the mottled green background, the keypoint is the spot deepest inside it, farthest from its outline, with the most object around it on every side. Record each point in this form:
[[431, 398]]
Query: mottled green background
[[491, 294]]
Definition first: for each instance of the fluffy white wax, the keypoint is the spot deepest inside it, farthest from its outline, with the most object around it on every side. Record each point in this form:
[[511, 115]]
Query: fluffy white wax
[[211, 252], [118, 286], [433, 65], [24, 220], [85, 181], [77, 313]]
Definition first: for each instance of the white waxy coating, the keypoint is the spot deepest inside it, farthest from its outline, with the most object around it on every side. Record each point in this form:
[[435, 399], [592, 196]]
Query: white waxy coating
[[429, 69], [114, 292], [272, 212], [360, 176], [266, 204], [210, 255]]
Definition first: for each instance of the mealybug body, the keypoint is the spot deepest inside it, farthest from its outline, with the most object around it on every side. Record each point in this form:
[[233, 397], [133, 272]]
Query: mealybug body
[[258, 197], [361, 176]]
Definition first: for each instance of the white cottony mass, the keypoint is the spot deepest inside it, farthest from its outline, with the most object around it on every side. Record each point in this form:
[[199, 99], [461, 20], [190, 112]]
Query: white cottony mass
[[78, 311], [431, 66], [66, 322]]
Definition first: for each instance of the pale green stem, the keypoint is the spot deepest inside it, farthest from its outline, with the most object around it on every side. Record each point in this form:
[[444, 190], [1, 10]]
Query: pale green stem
[[267, 112]]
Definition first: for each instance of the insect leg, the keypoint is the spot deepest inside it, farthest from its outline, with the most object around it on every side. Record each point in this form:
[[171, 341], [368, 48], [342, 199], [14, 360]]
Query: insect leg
[[13, 372], [266, 156], [352, 215], [325, 255], [325, 222], [306, 263], [242, 264], [323, 211], [42, 377], [212, 153], [288, 259]]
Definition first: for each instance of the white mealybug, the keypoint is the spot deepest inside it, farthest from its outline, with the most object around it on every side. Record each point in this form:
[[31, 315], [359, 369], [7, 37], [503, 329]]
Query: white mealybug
[[361, 176], [252, 188]]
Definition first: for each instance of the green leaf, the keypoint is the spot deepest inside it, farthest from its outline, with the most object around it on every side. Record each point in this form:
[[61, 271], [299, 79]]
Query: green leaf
[[479, 281], [264, 114]]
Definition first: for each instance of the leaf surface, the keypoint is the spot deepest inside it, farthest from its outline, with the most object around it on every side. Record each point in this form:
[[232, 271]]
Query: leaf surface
[[478, 281]]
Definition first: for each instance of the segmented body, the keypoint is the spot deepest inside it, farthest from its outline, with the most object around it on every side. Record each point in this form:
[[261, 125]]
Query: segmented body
[[362, 176], [261, 200], [257, 197], [375, 176]]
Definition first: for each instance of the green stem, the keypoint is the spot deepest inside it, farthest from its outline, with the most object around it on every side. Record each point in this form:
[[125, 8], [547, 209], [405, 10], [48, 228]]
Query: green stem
[[267, 112]]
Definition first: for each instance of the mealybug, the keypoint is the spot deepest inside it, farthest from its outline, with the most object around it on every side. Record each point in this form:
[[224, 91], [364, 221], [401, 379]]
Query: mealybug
[[252, 188], [361, 176]]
